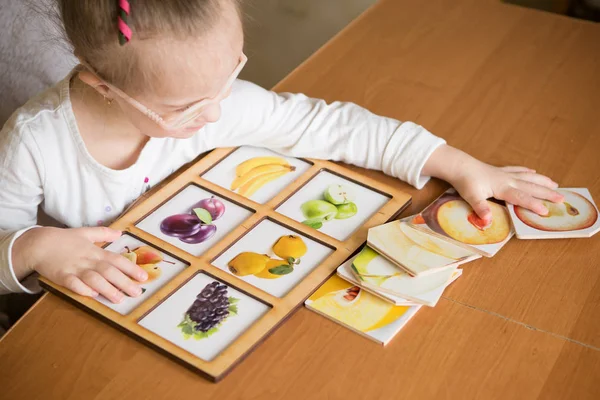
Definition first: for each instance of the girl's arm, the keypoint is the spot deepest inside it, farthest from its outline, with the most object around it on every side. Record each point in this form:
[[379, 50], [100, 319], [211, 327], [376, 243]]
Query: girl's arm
[[477, 181], [296, 125], [20, 196], [67, 257]]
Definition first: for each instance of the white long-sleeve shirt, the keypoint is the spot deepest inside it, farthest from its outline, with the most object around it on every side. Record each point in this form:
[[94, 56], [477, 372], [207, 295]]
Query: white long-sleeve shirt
[[44, 161]]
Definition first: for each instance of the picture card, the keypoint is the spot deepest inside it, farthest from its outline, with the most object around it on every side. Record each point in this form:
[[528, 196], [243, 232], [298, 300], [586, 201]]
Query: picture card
[[344, 271], [376, 272], [416, 252], [451, 218], [273, 257], [204, 316], [351, 306], [334, 205], [576, 217], [194, 220], [256, 173], [161, 268]]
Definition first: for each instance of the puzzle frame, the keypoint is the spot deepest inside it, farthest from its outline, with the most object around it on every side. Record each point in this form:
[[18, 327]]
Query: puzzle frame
[[280, 307]]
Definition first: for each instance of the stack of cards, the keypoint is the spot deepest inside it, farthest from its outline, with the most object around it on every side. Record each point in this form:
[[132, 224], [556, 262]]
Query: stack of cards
[[409, 263], [353, 307]]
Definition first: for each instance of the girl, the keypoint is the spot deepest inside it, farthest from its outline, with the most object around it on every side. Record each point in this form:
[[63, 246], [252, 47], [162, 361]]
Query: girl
[[156, 87]]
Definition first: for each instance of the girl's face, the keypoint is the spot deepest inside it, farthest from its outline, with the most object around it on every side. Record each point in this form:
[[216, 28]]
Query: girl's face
[[186, 73]]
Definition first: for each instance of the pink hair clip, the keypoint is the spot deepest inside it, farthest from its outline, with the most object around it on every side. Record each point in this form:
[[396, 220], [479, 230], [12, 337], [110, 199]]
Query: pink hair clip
[[124, 29]]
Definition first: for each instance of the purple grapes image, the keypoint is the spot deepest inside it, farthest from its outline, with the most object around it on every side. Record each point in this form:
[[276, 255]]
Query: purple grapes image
[[211, 307], [197, 225]]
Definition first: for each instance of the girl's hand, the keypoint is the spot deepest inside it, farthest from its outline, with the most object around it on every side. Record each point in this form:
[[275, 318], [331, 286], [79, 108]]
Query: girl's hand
[[69, 258], [517, 185], [477, 181]]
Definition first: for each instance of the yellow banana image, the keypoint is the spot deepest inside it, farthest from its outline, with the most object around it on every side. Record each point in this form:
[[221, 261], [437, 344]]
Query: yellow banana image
[[252, 163], [259, 171], [252, 186]]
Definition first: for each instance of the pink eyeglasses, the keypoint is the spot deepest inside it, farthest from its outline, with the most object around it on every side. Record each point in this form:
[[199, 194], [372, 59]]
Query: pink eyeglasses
[[191, 112]]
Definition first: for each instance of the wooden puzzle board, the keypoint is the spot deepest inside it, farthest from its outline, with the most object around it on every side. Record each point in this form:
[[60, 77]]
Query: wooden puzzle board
[[201, 267]]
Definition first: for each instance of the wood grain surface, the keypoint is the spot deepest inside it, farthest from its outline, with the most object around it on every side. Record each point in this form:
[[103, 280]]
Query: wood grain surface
[[506, 84]]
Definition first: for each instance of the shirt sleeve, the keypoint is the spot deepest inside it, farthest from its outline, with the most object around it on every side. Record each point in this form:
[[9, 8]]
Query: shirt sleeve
[[8, 280], [299, 126], [21, 177]]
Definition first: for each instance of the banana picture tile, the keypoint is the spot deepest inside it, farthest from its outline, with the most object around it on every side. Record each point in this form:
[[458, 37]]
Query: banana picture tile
[[272, 257], [194, 219], [356, 309], [451, 218], [576, 217], [256, 173], [333, 205]]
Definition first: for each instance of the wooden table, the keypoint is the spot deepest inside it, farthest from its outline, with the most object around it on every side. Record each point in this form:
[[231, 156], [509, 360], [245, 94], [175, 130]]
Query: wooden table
[[509, 85]]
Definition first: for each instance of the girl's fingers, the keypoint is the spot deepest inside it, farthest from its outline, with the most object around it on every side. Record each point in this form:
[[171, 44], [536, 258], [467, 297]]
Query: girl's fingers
[[525, 200], [537, 179], [118, 279], [75, 284], [482, 209], [97, 282], [124, 265], [511, 169], [538, 191]]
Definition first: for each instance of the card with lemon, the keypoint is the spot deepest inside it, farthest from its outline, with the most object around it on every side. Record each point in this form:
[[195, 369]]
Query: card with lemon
[[273, 257], [351, 306]]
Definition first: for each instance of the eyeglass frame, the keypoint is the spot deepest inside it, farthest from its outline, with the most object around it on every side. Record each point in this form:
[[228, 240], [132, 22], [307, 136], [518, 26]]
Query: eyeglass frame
[[194, 111]]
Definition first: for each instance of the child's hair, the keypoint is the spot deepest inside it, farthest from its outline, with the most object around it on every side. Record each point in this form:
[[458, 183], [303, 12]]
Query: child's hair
[[90, 27]]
